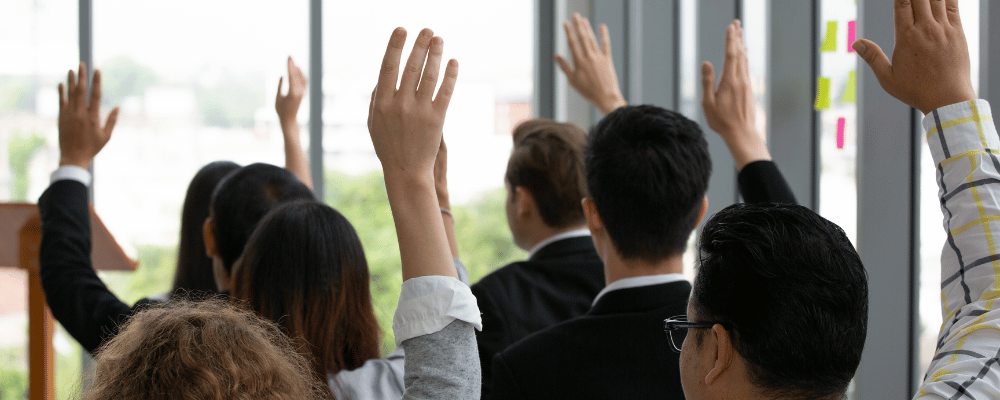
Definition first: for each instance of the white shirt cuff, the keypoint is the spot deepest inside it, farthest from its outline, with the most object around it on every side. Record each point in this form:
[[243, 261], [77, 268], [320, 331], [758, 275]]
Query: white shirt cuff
[[73, 173], [427, 304]]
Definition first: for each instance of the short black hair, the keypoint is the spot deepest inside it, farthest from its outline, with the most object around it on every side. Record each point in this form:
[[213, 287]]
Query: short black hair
[[647, 172], [243, 198], [791, 290]]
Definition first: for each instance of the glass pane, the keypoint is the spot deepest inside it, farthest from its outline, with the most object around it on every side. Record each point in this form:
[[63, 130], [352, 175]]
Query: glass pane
[[932, 235], [40, 38], [493, 94]]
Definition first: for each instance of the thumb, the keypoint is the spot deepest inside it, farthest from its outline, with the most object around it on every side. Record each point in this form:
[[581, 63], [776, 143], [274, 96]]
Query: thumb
[[707, 83], [281, 82], [877, 61], [564, 65]]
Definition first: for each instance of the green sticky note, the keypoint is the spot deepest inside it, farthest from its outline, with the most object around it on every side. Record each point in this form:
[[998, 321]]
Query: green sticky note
[[830, 43], [823, 94], [851, 90]]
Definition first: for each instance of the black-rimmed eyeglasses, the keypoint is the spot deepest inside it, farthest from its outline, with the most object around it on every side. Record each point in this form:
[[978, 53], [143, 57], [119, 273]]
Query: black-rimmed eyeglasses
[[676, 328]]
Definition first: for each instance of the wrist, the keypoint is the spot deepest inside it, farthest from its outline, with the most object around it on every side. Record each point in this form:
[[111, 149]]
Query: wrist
[[612, 103], [747, 146], [75, 162]]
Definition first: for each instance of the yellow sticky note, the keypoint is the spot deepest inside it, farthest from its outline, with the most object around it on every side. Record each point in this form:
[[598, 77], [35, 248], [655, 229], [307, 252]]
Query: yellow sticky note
[[823, 94], [851, 90], [830, 43]]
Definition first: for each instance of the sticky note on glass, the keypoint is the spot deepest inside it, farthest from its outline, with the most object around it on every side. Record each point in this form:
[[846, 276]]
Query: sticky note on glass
[[823, 94], [852, 35], [830, 43], [841, 127], [851, 90]]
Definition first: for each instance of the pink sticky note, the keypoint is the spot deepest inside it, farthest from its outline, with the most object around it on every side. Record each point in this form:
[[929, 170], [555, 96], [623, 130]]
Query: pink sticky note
[[841, 125], [852, 35]]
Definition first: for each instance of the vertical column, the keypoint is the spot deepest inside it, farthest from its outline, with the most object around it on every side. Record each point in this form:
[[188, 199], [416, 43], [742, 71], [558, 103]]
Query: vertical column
[[316, 96], [41, 371], [546, 31], [569, 105], [792, 70], [615, 14], [654, 52], [713, 17], [86, 41], [888, 152], [989, 59]]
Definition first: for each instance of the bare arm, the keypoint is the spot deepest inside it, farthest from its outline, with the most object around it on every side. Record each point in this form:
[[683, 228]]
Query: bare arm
[[288, 110], [593, 71]]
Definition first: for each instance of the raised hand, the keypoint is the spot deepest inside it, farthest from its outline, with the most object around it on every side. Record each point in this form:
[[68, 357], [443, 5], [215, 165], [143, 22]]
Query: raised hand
[[593, 70], [81, 135], [288, 105], [443, 197], [405, 124], [731, 109], [930, 65]]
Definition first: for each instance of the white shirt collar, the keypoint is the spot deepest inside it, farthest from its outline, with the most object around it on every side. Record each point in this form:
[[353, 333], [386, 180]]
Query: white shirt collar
[[565, 235], [638, 281]]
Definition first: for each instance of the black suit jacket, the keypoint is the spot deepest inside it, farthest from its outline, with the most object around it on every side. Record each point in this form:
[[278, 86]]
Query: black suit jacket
[[557, 283], [78, 298], [618, 350]]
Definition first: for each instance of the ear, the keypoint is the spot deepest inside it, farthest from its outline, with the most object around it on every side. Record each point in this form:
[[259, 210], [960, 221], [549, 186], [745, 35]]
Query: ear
[[704, 210], [524, 202], [594, 222], [724, 353], [209, 236]]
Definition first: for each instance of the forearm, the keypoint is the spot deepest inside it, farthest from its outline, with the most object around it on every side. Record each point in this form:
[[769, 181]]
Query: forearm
[[295, 157], [423, 243]]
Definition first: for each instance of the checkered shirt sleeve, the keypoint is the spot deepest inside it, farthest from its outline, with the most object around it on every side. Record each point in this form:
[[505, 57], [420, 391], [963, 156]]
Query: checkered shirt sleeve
[[963, 141]]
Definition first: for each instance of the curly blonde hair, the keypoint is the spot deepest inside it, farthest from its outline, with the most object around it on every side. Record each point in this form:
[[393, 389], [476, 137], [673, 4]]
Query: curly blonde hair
[[205, 349]]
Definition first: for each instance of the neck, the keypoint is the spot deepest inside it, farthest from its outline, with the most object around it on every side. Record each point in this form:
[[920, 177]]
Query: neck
[[617, 268], [543, 232]]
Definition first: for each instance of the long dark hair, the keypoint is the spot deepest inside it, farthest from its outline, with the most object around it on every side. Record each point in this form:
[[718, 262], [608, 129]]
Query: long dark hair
[[194, 267], [304, 268]]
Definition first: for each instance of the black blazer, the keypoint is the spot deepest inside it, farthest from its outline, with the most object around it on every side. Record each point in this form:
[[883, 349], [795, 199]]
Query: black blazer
[[618, 350], [78, 298], [557, 283]]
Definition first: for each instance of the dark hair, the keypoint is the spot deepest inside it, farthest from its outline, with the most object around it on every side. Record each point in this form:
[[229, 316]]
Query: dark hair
[[791, 290], [201, 350], [547, 160], [242, 199], [194, 267], [647, 172], [304, 267]]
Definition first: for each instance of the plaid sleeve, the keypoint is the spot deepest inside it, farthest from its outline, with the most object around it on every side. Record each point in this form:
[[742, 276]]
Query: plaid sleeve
[[964, 143]]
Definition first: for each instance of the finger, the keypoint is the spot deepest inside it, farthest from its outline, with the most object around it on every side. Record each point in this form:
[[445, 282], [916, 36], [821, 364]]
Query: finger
[[429, 81], [291, 74], [744, 62], [415, 64], [605, 40], [95, 96], [71, 89], [954, 17], [903, 14], [110, 124], [390, 62], [371, 107], [707, 84], [81, 81], [281, 83], [587, 34], [877, 61], [573, 42], [922, 11], [730, 66], [564, 65], [62, 99], [939, 9], [300, 77], [443, 97]]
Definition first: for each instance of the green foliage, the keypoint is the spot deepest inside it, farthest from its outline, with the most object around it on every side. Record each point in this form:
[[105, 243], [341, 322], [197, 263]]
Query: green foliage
[[17, 93], [481, 229], [13, 382], [20, 151], [123, 77], [230, 102]]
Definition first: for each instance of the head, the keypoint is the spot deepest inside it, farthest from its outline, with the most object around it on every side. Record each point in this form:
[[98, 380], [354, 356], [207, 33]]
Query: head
[[544, 180], [201, 350], [304, 268], [239, 202], [790, 298], [194, 267], [647, 173]]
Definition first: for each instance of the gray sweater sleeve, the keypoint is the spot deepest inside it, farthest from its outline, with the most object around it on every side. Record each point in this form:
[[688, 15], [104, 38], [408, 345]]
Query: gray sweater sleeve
[[443, 365]]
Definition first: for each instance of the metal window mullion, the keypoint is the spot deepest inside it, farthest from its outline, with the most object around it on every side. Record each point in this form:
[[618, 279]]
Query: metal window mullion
[[86, 42], [316, 96], [989, 60], [654, 52], [887, 221]]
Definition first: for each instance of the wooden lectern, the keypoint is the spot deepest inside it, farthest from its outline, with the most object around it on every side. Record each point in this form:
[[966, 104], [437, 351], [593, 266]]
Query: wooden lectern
[[20, 240]]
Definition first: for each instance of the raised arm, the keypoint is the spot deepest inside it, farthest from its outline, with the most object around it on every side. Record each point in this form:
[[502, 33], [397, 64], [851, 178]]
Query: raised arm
[[593, 71], [930, 71], [288, 110], [731, 110], [437, 313]]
